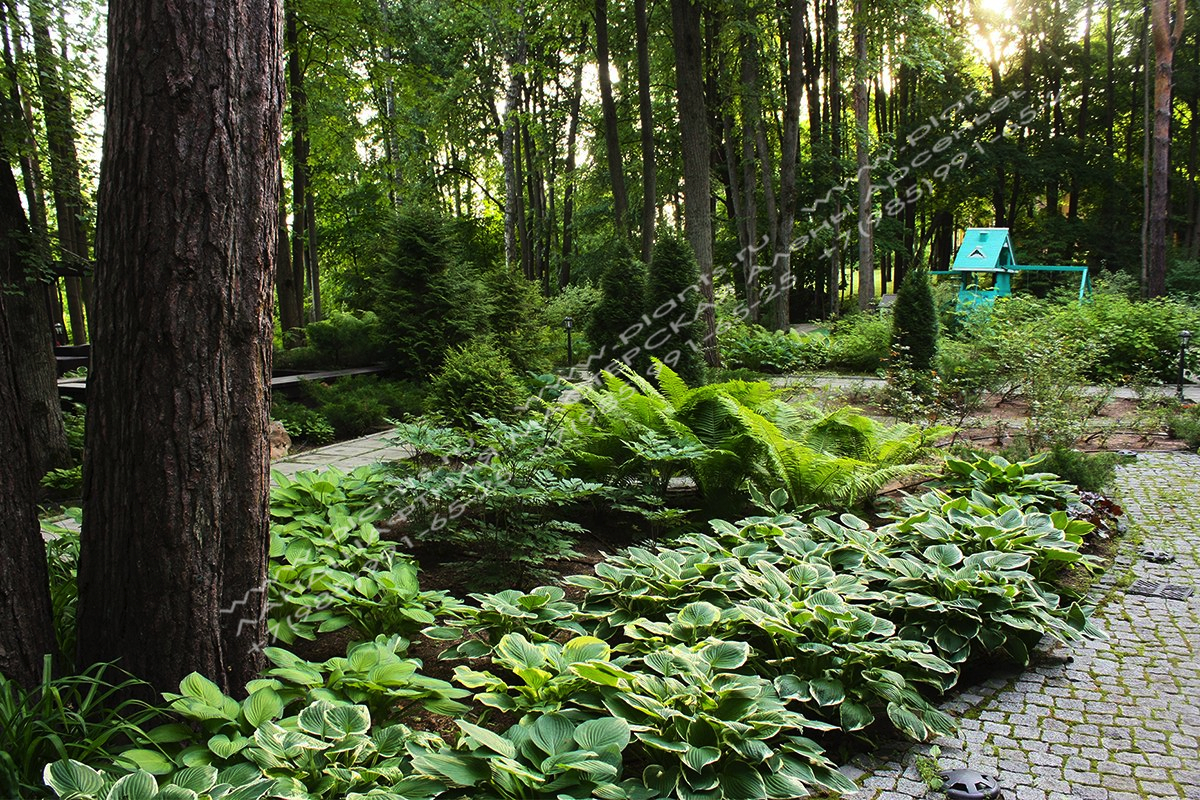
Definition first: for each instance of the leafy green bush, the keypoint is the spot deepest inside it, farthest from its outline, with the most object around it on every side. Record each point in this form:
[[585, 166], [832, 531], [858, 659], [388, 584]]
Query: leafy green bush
[[300, 421], [87, 717], [341, 340], [753, 347], [1183, 278], [673, 301], [476, 379], [1185, 424], [915, 322], [619, 313], [579, 302], [1110, 339], [731, 436], [62, 563], [514, 320], [359, 404], [494, 499], [427, 293], [1017, 482], [332, 571], [1091, 472], [62, 483], [540, 613], [860, 342]]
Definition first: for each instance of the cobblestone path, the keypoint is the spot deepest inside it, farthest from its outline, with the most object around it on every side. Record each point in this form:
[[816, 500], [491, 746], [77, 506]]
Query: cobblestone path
[[1121, 721]]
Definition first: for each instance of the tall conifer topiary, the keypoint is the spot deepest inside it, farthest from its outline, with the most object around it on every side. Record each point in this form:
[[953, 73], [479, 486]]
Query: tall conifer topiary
[[620, 311], [915, 322], [672, 300]]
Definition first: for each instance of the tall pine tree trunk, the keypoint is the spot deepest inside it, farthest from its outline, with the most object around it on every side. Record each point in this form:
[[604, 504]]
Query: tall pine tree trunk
[[693, 130], [26, 633], [781, 269], [612, 139], [172, 575], [568, 223], [646, 115], [31, 299], [862, 135], [69, 209], [1167, 33], [509, 147]]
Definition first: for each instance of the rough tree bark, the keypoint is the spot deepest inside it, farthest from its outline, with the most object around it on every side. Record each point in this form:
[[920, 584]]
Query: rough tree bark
[[1167, 33], [608, 106], [26, 633], [73, 235], [866, 238], [646, 114], [781, 268], [303, 255], [693, 129], [173, 566], [513, 206], [31, 301]]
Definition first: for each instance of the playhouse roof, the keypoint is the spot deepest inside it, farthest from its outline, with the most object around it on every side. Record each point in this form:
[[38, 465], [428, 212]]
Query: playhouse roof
[[984, 250]]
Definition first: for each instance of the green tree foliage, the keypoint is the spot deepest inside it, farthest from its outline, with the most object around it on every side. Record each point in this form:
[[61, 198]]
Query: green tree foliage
[[425, 295], [673, 300], [616, 323], [514, 318], [915, 322], [476, 378]]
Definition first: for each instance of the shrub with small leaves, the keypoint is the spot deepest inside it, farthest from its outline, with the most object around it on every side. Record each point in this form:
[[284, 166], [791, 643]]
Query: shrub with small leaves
[[476, 379]]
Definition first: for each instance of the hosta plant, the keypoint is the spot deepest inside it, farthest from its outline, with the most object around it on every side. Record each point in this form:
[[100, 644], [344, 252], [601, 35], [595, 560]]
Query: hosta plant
[[72, 780], [375, 674], [335, 573], [975, 606], [980, 525], [648, 583], [996, 476], [547, 756], [539, 614], [844, 663], [705, 730], [546, 676]]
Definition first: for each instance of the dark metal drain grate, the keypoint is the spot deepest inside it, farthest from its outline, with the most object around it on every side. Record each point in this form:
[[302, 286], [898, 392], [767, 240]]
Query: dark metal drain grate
[[1171, 591]]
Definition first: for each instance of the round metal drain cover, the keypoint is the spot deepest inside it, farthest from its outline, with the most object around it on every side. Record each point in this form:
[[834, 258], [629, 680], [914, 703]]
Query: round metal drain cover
[[968, 784]]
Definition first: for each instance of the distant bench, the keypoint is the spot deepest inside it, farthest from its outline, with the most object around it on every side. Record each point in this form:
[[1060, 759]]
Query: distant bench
[[290, 383]]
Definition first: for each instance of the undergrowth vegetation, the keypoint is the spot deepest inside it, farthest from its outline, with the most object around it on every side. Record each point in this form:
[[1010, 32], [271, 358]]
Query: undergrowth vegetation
[[729, 663]]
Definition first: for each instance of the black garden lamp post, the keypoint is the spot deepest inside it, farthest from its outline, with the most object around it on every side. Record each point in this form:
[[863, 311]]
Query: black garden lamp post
[[569, 323], [1184, 338]]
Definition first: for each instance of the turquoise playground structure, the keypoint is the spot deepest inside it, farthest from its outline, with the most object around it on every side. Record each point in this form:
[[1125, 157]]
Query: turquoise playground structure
[[986, 254]]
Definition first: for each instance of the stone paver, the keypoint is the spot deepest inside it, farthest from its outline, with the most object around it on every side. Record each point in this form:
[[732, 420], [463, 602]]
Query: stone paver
[[1121, 719], [371, 449]]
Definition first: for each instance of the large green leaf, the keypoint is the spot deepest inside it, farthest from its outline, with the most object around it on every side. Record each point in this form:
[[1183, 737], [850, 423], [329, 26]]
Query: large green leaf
[[491, 740], [908, 722], [603, 733], [71, 779], [553, 733], [741, 782], [518, 651], [854, 716], [698, 615], [827, 691], [726, 655], [262, 705], [697, 758], [198, 779], [138, 785]]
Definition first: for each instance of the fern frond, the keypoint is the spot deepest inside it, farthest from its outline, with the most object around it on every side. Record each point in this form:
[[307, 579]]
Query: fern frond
[[672, 386]]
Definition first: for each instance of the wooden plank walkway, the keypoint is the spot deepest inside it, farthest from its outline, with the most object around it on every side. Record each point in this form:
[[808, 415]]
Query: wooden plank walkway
[[76, 388]]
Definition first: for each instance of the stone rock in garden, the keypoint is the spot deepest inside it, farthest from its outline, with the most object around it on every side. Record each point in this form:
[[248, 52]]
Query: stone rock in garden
[[278, 439]]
